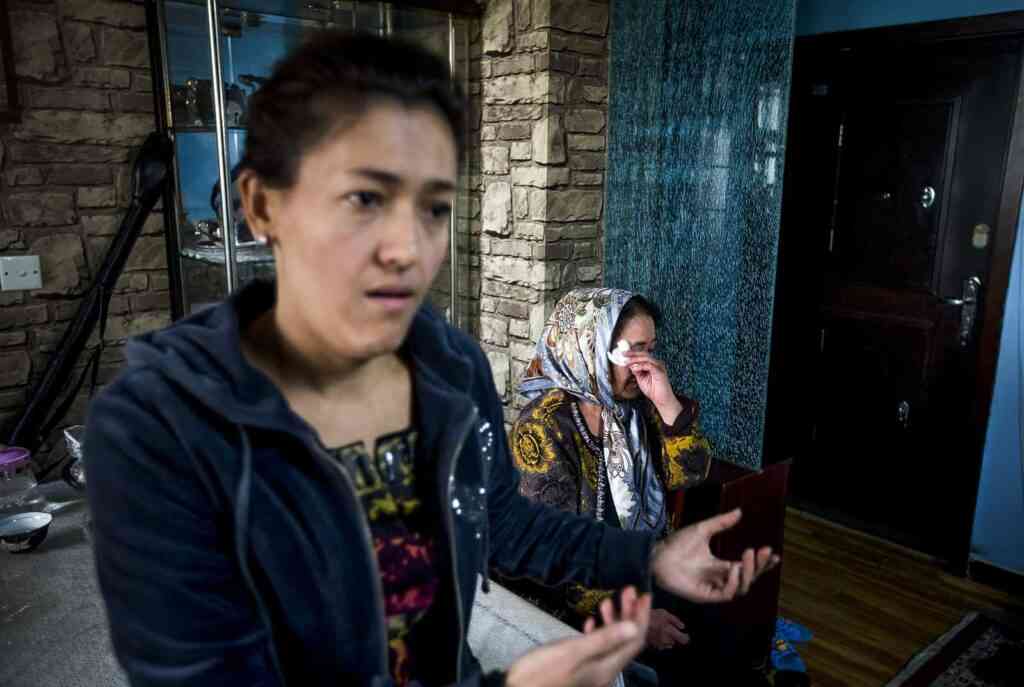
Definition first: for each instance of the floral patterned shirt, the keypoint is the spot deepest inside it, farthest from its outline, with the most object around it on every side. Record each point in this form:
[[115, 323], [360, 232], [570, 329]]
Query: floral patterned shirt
[[385, 483]]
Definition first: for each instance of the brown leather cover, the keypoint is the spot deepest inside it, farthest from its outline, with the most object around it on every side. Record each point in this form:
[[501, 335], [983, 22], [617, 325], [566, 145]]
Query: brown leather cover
[[762, 496]]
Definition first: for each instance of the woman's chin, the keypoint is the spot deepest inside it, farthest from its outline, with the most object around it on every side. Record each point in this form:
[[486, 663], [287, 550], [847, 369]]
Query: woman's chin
[[380, 340]]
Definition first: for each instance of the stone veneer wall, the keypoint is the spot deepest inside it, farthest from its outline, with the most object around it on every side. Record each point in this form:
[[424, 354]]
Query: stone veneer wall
[[84, 80], [543, 85]]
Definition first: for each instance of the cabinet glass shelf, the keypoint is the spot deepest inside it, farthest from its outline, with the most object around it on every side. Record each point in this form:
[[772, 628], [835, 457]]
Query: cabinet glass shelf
[[214, 254], [204, 129]]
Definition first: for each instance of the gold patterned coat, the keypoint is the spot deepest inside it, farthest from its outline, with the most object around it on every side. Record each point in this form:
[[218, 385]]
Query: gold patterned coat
[[560, 464]]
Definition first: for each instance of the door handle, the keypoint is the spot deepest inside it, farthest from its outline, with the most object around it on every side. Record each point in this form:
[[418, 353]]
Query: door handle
[[958, 301], [968, 302]]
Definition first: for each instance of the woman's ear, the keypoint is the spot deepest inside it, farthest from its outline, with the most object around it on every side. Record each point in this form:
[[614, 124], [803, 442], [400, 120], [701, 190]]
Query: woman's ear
[[258, 203]]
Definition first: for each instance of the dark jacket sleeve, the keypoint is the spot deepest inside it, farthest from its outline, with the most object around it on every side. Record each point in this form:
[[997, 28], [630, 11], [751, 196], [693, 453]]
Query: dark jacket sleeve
[[178, 609], [532, 540]]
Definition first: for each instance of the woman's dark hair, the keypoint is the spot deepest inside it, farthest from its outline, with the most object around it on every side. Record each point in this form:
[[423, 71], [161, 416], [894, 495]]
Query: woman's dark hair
[[637, 305], [328, 83]]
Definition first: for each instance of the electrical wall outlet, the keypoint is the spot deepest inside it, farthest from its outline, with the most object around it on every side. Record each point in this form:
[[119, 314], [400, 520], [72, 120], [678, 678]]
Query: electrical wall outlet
[[20, 273]]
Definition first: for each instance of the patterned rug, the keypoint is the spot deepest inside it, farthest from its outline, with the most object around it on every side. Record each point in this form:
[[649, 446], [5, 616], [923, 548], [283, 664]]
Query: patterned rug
[[979, 651]]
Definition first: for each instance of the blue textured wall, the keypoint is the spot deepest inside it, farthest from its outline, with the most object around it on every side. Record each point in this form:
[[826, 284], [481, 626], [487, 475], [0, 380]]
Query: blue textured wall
[[825, 16], [699, 94], [999, 519], [997, 534]]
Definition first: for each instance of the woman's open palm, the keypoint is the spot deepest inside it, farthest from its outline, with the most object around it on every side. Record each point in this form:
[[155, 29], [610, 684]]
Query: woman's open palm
[[685, 566]]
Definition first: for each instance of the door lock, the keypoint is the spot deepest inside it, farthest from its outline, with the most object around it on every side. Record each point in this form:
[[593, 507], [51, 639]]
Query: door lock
[[968, 304]]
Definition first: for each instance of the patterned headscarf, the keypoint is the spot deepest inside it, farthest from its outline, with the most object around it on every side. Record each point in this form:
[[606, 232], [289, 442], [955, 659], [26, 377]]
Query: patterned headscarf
[[572, 356]]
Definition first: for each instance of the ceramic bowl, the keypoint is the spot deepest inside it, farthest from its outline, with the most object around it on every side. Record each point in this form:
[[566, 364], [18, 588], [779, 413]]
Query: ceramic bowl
[[25, 531]]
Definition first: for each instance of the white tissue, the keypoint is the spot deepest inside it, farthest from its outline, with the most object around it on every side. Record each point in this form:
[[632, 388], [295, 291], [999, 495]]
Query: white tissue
[[617, 356]]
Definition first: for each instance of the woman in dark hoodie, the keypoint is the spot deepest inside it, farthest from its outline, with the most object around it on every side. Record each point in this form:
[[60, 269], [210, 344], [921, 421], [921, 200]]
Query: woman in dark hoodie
[[301, 485]]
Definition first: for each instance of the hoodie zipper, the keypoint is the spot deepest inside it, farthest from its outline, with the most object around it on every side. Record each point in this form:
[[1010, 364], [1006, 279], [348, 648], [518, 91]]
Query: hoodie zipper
[[453, 460], [378, 598]]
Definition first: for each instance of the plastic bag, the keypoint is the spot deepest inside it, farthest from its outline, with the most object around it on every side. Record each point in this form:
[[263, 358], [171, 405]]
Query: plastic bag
[[74, 471]]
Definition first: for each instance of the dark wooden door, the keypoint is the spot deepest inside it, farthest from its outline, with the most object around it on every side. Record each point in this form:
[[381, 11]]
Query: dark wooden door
[[895, 171]]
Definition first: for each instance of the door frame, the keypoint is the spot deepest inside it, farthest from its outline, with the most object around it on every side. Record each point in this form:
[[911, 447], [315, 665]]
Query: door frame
[[927, 33]]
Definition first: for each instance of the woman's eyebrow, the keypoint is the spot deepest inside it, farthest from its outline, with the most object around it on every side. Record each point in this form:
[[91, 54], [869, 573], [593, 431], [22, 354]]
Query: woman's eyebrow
[[392, 180]]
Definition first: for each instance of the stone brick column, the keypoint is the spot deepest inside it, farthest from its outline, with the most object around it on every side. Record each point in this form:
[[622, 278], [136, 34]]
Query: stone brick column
[[83, 76], [543, 112]]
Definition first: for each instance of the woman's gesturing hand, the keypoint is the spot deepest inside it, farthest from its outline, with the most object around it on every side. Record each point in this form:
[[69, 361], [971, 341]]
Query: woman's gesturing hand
[[596, 657]]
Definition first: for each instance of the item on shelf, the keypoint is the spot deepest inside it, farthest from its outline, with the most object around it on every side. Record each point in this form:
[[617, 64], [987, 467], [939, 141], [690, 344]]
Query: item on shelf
[[192, 103], [242, 232], [201, 91], [180, 101], [235, 106], [207, 232]]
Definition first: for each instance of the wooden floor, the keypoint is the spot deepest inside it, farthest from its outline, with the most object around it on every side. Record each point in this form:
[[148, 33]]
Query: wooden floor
[[871, 605]]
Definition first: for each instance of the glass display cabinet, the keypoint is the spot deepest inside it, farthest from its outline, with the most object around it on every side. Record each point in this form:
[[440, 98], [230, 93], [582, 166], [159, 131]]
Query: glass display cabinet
[[209, 56]]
